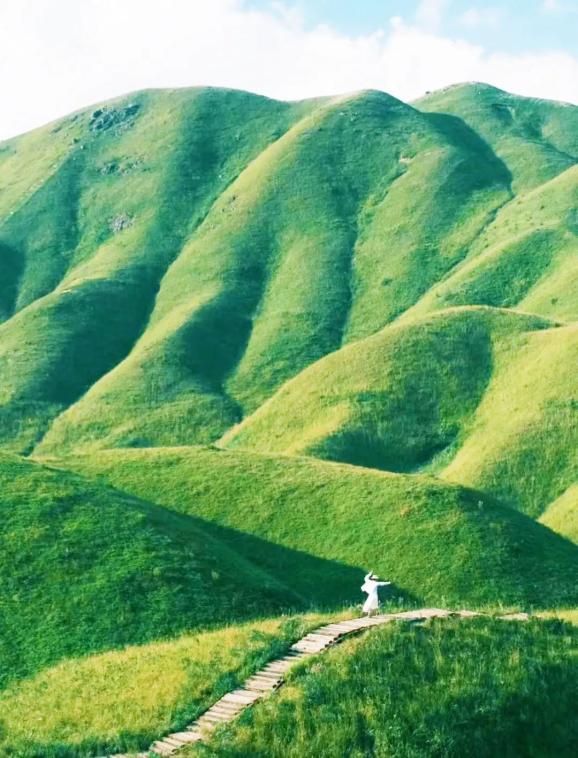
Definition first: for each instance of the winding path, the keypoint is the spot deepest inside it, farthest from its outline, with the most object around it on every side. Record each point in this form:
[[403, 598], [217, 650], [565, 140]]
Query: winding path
[[272, 675]]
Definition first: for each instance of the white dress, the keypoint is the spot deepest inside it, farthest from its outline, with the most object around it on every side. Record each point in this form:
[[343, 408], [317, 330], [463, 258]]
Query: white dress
[[371, 587]]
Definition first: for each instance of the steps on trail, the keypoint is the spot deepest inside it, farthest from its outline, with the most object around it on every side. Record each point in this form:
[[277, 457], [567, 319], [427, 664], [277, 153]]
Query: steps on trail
[[271, 676]]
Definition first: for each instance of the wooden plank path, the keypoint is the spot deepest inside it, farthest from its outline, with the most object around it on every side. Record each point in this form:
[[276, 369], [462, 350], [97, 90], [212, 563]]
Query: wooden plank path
[[271, 676]]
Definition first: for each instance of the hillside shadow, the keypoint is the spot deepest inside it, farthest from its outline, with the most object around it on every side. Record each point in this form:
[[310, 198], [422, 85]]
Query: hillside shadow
[[407, 432], [11, 267], [461, 136], [315, 582]]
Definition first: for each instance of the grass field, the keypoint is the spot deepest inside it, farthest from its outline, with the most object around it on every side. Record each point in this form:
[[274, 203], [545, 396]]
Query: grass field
[[124, 699], [314, 526], [562, 515], [425, 395], [476, 687], [85, 568], [168, 282]]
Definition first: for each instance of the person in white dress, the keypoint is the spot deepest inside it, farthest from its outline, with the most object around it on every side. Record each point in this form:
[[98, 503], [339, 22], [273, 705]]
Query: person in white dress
[[371, 586]]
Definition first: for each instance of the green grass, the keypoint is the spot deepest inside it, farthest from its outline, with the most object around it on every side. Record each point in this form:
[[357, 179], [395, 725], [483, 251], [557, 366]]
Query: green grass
[[95, 238], [487, 397], [562, 515], [528, 458], [317, 527], [212, 244], [392, 401], [536, 139], [570, 615], [526, 258], [126, 699], [84, 568], [185, 253], [353, 279], [452, 688]]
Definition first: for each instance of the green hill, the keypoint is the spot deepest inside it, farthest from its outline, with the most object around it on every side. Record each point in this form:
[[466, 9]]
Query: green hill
[[349, 278], [536, 139], [84, 568], [526, 258], [173, 258], [125, 699], [471, 687], [211, 244], [522, 444], [94, 235], [321, 525], [487, 397]]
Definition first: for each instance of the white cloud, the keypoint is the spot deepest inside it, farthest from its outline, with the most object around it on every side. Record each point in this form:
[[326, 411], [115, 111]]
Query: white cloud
[[474, 18], [59, 55]]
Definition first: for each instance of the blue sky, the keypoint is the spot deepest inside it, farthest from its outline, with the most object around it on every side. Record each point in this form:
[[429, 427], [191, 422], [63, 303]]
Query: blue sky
[[509, 25], [57, 56]]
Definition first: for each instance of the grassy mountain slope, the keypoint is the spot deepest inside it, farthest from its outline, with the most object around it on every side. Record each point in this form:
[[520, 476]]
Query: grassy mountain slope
[[125, 699], [562, 514], [92, 241], [174, 257], [536, 139], [84, 568], [438, 543], [391, 401], [352, 278], [526, 258], [211, 244], [522, 444], [487, 396], [472, 687]]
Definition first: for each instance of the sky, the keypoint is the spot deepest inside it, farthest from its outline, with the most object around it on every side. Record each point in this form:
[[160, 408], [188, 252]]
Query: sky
[[57, 56]]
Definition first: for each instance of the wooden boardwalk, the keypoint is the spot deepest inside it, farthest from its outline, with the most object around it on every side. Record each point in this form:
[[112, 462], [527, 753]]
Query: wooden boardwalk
[[272, 675]]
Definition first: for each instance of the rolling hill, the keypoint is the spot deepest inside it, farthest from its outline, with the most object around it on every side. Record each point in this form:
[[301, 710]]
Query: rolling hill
[[173, 260], [480, 687], [250, 349], [205, 266], [536, 139], [318, 524], [123, 699], [84, 568], [562, 514], [486, 397]]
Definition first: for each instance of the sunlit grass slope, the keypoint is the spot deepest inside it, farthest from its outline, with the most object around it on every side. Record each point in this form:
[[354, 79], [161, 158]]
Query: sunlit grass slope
[[522, 444], [452, 688], [486, 396], [526, 258], [189, 251], [536, 139], [90, 236], [322, 525], [125, 699], [182, 266], [169, 259], [392, 401], [84, 568], [562, 514]]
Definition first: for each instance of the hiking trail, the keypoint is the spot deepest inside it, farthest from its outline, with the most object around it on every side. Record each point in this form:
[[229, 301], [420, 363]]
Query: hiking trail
[[271, 676]]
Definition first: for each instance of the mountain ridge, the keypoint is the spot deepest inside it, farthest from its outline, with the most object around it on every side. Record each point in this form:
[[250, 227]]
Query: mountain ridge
[[186, 253]]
